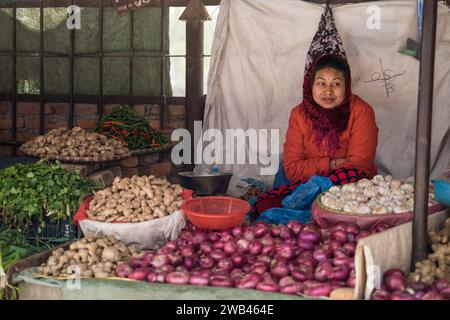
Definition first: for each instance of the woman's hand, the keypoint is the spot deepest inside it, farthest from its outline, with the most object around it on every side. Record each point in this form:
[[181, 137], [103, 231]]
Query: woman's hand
[[335, 163]]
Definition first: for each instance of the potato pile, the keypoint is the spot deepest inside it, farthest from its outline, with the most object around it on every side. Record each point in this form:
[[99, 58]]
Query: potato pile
[[135, 199], [381, 195], [74, 143], [89, 257], [438, 263]]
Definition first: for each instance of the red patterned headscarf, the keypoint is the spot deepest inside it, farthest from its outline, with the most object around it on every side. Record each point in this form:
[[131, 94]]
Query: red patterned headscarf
[[327, 123]]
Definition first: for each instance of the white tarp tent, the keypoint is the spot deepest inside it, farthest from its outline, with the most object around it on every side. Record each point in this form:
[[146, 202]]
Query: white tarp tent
[[257, 65]]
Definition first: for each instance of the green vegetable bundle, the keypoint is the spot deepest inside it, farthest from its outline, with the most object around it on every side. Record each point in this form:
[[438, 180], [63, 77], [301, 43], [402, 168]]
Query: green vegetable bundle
[[13, 248], [28, 191], [126, 125]]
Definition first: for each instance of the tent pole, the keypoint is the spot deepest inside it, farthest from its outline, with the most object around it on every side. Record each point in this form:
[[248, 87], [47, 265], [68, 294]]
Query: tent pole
[[423, 132]]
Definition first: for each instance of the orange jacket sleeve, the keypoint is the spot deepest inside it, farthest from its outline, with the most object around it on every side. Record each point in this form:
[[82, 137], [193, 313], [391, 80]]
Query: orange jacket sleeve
[[296, 165], [363, 139]]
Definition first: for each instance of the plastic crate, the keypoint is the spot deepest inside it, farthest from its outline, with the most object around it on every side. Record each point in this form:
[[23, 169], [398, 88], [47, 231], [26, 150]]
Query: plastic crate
[[61, 231]]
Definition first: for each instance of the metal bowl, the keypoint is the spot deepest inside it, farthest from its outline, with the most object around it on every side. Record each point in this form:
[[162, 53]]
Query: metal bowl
[[205, 184]]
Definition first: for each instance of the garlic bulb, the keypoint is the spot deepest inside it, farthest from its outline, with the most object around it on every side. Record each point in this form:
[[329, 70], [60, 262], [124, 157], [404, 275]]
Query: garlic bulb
[[388, 178], [395, 183], [349, 188], [407, 187], [401, 209], [379, 210], [371, 191], [334, 189], [384, 191], [377, 179], [363, 209], [351, 206], [364, 183]]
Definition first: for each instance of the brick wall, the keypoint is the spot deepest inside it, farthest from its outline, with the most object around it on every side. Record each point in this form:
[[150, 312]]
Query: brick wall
[[85, 115]]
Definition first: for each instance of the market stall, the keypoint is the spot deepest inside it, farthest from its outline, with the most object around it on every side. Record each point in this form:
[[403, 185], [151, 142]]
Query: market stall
[[136, 234]]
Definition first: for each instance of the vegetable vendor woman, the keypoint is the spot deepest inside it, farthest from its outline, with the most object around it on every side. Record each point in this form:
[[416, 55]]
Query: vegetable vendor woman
[[331, 133]]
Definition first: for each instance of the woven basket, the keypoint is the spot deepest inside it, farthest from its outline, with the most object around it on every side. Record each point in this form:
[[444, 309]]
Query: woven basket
[[164, 147], [78, 159]]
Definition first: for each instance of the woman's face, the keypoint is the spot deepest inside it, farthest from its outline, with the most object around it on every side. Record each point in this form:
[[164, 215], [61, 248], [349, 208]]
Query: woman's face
[[328, 89]]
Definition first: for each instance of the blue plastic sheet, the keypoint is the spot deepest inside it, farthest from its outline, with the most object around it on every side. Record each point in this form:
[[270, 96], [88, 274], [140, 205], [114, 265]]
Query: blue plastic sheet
[[282, 216], [297, 206], [305, 194]]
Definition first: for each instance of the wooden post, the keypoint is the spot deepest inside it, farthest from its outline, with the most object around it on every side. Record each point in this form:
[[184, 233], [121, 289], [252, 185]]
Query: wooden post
[[195, 14], [423, 132]]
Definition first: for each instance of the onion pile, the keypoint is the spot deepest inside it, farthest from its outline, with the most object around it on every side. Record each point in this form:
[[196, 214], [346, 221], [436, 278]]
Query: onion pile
[[396, 287], [291, 259]]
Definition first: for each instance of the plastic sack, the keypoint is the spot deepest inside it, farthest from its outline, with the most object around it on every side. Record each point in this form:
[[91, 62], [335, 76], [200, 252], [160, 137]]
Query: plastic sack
[[304, 195], [282, 216], [151, 234]]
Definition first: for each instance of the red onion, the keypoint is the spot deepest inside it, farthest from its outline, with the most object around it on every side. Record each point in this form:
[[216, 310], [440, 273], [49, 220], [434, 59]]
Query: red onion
[[218, 245], [123, 270], [167, 268], [206, 247], [392, 272], [339, 227], [339, 235], [225, 264], [336, 285], [305, 245], [159, 261], [321, 255], [285, 233], [206, 262], [341, 273], [294, 226], [199, 280], [432, 295], [174, 259], [320, 290], [401, 295], [156, 276], [334, 245], [395, 282], [238, 259], [275, 230], [220, 281], [139, 274], [198, 238], [345, 261], [445, 293], [189, 263], [267, 250], [267, 287], [187, 251], [217, 255], [255, 247], [419, 286], [325, 234], [311, 227], [171, 245], [243, 245], [230, 247], [380, 294], [352, 228], [249, 235], [293, 288], [177, 278], [279, 270], [249, 281], [441, 284], [324, 272], [261, 230], [418, 295], [186, 235], [258, 269], [306, 261], [286, 281], [285, 251], [237, 231], [267, 240], [214, 236], [349, 248], [136, 262], [340, 253], [263, 258], [310, 236]]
